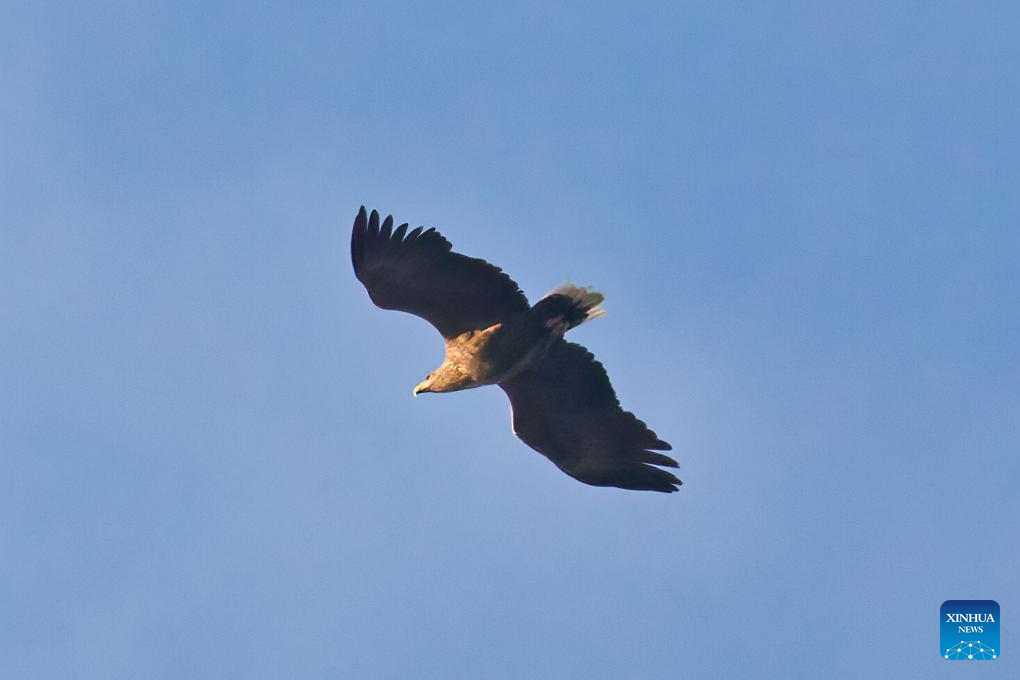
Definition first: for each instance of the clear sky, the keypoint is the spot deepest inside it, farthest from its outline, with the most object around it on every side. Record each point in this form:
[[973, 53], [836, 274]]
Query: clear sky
[[805, 217]]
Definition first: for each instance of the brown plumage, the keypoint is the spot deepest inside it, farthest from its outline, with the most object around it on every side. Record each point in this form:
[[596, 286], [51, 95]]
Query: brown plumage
[[563, 404]]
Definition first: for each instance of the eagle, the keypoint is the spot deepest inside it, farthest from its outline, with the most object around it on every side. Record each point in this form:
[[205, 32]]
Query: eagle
[[563, 404]]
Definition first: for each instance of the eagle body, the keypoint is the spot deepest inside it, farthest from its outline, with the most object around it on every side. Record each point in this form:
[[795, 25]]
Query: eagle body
[[563, 404], [501, 351], [469, 362], [477, 358]]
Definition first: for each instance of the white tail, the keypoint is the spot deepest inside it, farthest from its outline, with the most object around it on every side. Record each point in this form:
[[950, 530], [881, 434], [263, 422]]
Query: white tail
[[588, 301]]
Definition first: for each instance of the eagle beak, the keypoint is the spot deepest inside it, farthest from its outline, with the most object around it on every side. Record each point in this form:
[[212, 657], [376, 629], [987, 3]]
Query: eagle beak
[[422, 387]]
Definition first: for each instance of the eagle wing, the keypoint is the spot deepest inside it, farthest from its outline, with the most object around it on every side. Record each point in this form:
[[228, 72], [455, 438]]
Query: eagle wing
[[417, 272], [565, 408]]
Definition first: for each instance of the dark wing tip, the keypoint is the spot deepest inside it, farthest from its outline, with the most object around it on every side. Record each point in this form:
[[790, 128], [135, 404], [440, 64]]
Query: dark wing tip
[[657, 459], [670, 482], [358, 239], [373, 224], [367, 236], [642, 477]]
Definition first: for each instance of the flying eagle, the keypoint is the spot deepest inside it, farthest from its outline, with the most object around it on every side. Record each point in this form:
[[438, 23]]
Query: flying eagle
[[563, 404]]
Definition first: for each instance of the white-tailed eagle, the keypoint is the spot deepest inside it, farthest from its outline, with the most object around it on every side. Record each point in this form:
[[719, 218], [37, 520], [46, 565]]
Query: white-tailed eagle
[[563, 404]]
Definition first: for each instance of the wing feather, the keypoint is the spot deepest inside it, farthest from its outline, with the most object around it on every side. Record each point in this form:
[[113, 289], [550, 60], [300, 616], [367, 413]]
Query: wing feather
[[565, 408], [419, 273]]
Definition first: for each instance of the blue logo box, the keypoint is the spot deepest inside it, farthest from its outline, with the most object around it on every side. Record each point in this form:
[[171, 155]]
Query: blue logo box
[[969, 630]]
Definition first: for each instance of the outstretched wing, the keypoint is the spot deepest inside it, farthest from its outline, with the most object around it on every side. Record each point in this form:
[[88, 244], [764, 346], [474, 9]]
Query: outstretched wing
[[565, 408], [417, 272]]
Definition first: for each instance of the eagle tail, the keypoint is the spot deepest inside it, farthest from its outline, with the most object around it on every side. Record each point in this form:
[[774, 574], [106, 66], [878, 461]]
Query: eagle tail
[[569, 306]]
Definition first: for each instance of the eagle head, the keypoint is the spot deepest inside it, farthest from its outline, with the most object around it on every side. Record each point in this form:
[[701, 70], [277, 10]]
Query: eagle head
[[446, 378]]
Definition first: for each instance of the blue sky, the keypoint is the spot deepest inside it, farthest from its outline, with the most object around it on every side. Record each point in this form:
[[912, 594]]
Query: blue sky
[[806, 221]]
